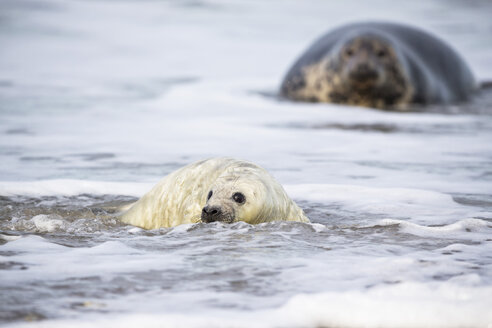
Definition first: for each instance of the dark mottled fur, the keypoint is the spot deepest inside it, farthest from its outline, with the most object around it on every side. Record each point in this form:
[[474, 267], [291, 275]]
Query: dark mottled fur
[[415, 68]]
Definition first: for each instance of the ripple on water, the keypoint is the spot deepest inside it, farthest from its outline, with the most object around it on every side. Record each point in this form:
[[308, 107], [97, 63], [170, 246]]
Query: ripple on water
[[88, 262]]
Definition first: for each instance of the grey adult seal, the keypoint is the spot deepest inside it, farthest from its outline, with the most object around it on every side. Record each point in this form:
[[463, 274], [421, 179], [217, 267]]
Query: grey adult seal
[[380, 65]]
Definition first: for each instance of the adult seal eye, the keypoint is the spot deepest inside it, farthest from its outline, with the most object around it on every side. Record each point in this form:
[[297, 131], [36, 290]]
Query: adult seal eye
[[209, 194], [239, 198]]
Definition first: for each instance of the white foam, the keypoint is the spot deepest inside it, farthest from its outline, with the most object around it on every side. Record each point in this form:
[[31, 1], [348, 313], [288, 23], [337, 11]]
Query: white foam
[[66, 187], [32, 243], [183, 228], [54, 260], [9, 238], [135, 230], [467, 229], [48, 223], [402, 305], [419, 206], [411, 305], [318, 227]]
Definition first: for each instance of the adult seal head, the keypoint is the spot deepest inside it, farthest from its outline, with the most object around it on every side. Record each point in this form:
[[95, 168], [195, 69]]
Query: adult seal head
[[218, 189], [379, 65]]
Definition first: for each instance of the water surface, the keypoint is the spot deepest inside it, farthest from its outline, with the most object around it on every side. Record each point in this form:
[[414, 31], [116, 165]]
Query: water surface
[[101, 99]]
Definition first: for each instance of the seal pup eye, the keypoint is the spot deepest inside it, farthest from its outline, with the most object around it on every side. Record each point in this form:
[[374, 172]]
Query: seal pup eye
[[209, 194], [381, 53], [239, 198], [349, 52]]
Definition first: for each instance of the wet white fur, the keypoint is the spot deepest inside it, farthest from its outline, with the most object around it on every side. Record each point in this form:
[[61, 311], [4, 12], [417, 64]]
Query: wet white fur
[[180, 196]]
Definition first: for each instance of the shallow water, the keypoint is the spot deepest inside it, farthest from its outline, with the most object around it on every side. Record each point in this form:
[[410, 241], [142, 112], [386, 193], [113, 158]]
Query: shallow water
[[99, 100]]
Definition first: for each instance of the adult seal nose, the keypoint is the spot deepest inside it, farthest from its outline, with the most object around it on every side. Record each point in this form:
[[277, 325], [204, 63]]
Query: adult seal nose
[[364, 72], [211, 213]]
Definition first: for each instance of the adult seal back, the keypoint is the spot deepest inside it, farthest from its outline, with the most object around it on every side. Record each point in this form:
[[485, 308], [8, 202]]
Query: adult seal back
[[379, 65]]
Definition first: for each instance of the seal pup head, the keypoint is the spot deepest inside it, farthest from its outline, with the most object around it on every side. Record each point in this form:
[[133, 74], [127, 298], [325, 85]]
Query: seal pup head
[[246, 193], [237, 195]]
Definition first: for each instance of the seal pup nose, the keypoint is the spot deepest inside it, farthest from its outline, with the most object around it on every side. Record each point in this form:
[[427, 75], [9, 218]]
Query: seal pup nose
[[211, 213]]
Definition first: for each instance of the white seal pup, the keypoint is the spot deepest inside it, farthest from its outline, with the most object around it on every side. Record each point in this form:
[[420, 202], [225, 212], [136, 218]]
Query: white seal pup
[[218, 189]]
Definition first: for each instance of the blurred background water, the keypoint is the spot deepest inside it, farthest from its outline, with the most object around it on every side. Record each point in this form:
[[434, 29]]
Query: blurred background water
[[101, 99]]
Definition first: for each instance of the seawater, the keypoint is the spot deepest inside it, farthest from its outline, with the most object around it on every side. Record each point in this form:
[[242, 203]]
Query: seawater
[[100, 100]]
